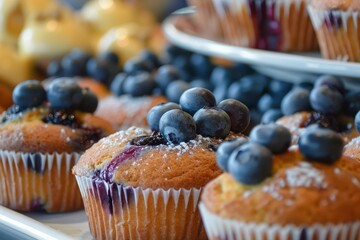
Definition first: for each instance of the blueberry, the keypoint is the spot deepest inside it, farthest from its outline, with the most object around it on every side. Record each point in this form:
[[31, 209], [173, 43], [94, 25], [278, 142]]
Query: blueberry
[[165, 75], [224, 151], [176, 89], [331, 82], [89, 101], [177, 126], [357, 121], [305, 85], [172, 51], [352, 102], [250, 163], [296, 100], [221, 76], [202, 83], [239, 70], [64, 118], [34, 163], [212, 122], [321, 145], [201, 65], [101, 70], [64, 93], [29, 94], [238, 112], [135, 65], [74, 64], [271, 115], [54, 69], [140, 84], [195, 98], [150, 57], [326, 100], [279, 88], [220, 93], [268, 101], [249, 89], [109, 57], [273, 136], [183, 65], [117, 85], [155, 113]]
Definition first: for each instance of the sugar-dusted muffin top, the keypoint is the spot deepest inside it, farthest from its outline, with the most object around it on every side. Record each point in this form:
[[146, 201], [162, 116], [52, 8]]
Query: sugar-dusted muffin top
[[59, 119], [136, 158], [298, 192], [126, 111], [34, 130], [337, 4]]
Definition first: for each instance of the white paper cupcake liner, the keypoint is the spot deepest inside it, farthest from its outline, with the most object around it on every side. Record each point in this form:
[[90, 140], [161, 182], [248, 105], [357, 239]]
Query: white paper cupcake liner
[[38, 181], [337, 42], [221, 228], [294, 33], [118, 212]]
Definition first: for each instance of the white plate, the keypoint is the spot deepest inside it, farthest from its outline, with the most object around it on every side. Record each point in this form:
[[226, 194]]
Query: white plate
[[64, 226], [181, 30]]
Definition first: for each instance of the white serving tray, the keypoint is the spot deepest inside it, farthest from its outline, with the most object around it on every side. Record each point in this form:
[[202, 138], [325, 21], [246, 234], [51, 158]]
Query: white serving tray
[[181, 30], [63, 226]]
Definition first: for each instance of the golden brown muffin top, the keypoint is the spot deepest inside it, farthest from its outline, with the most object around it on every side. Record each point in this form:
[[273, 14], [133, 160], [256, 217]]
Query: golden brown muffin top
[[298, 192], [187, 165], [28, 132], [346, 5]]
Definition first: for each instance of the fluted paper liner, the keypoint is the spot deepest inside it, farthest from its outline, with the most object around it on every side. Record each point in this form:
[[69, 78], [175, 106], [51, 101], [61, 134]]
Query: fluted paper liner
[[338, 33], [295, 32], [119, 212], [39, 181], [218, 227]]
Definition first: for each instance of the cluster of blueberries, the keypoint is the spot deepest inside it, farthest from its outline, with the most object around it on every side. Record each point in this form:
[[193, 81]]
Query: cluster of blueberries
[[250, 161], [63, 95], [78, 63], [198, 113], [179, 70], [268, 99]]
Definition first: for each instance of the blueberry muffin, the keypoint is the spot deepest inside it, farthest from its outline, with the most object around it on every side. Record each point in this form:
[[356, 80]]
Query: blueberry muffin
[[274, 193], [146, 185], [336, 25], [41, 138]]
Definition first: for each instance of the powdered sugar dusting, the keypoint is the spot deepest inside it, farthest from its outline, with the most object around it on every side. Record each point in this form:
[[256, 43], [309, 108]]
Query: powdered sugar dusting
[[187, 147], [354, 144], [305, 175]]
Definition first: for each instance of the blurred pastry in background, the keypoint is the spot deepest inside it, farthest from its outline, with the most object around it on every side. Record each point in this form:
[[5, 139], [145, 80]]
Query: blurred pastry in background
[[13, 67]]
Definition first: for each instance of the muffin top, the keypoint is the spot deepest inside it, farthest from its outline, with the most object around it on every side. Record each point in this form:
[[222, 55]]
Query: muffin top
[[59, 120], [136, 157], [268, 183], [35, 131], [351, 5], [299, 192], [178, 152]]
